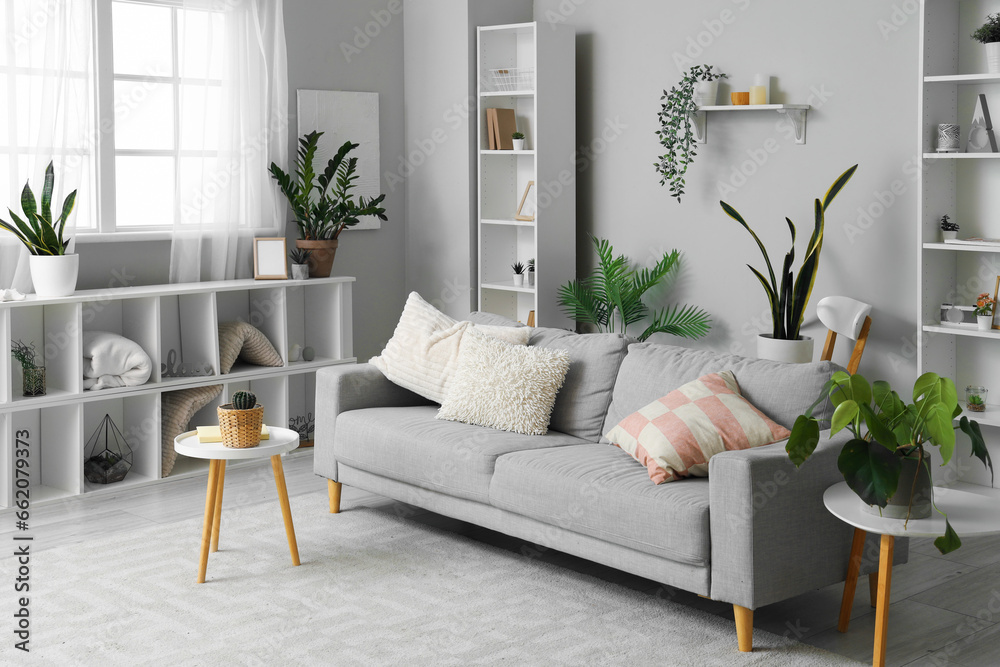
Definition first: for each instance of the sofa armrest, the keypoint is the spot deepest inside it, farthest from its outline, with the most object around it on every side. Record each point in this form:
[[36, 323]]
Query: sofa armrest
[[350, 387], [772, 537]]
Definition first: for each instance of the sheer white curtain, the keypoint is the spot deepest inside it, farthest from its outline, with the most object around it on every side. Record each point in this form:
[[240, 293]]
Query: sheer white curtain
[[46, 114], [227, 195]]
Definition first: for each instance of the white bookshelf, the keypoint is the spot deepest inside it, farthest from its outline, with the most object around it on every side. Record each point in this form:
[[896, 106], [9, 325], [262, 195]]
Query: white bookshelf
[[546, 115], [952, 73], [184, 318]]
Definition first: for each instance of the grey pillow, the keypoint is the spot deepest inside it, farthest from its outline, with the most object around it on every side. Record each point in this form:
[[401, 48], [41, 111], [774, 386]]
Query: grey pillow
[[491, 319]]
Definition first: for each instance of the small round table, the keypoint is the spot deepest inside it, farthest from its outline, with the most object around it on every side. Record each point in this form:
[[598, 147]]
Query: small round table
[[281, 440], [969, 513]]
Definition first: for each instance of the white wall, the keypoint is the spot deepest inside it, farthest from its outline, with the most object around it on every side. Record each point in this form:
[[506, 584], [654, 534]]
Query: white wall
[[855, 61]]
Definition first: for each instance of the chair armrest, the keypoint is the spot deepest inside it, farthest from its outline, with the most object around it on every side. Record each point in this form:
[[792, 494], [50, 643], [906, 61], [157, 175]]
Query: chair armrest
[[772, 536], [350, 387]]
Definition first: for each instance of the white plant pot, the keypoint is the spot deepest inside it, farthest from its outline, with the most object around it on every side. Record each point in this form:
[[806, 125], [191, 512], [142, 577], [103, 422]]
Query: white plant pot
[[518, 144], [984, 322], [790, 351], [518, 279], [54, 275], [706, 93], [300, 271], [993, 57], [949, 235]]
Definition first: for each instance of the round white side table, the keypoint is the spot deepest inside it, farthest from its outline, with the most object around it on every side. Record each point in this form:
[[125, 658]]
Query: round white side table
[[969, 513], [281, 440]]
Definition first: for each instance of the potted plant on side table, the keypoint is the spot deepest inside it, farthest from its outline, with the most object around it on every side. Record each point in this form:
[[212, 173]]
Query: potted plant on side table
[[886, 463], [788, 299], [240, 421], [322, 203], [53, 272]]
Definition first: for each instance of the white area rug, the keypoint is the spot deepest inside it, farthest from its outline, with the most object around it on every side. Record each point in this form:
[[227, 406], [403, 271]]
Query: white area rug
[[372, 589]]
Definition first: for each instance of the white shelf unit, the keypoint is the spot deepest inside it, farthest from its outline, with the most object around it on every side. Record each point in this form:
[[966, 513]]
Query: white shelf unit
[[797, 114], [547, 117], [184, 318], [952, 73]]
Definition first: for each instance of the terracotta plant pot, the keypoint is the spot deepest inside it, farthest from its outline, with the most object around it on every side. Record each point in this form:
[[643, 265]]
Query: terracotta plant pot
[[321, 259]]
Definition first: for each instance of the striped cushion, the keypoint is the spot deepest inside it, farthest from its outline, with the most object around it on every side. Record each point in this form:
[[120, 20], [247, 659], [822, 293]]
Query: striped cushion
[[676, 435], [422, 354]]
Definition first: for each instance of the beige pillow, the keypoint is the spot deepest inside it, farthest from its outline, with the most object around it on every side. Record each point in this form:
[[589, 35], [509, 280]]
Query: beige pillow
[[422, 354], [507, 387], [243, 340]]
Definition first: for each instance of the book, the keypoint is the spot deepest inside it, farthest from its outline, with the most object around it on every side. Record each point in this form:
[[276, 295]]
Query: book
[[491, 127], [974, 241], [506, 126], [214, 433]]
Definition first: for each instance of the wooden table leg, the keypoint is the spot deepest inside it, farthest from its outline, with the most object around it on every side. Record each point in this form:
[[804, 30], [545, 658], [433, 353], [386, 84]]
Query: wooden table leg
[[218, 506], [882, 609], [333, 490], [206, 531], [286, 509], [853, 567]]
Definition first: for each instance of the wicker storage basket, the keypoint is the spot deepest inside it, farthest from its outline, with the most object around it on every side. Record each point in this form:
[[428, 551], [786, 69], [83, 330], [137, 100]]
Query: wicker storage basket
[[240, 428]]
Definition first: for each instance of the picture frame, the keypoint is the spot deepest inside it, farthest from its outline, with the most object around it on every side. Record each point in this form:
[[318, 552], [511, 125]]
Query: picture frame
[[269, 255], [526, 209], [996, 292]]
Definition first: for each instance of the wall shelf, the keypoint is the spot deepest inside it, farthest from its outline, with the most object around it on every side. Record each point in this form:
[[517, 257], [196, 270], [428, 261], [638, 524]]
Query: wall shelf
[[507, 93], [961, 156], [961, 247], [510, 287], [963, 79], [961, 331], [797, 114]]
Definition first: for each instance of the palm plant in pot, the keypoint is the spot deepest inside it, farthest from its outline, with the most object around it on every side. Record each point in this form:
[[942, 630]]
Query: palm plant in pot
[[885, 462], [53, 272], [322, 203], [789, 299], [989, 35]]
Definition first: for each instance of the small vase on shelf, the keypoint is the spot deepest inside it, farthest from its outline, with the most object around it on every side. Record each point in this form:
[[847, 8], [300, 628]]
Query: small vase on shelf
[[984, 322]]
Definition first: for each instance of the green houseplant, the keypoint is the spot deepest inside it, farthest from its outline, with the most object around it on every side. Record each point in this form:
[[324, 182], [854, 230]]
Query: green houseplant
[[519, 271], [611, 298], [788, 299], [322, 203], [989, 35], [885, 462], [33, 376], [53, 271], [677, 110], [300, 263]]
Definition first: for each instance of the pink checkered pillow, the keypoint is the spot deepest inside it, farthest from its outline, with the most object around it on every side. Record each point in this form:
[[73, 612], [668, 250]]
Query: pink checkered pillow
[[676, 435]]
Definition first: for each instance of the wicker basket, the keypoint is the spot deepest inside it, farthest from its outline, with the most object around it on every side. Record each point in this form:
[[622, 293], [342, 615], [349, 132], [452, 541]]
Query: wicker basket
[[240, 428]]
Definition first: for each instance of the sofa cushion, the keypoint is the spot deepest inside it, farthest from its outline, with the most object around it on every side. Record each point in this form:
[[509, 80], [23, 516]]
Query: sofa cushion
[[598, 490], [408, 444], [594, 360], [492, 319], [781, 391]]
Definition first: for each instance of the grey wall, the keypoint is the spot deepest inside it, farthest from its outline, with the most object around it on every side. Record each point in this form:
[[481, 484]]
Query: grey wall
[[437, 169], [848, 59]]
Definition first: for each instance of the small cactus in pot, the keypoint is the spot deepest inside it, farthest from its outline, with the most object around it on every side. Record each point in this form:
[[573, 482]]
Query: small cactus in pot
[[240, 421]]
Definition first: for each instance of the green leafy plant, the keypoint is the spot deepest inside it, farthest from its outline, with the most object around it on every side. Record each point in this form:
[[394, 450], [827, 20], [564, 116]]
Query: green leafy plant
[[886, 430], [789, 299], [611, 297], [38, 231], [947, 225], [300, 255], [244, 400], [25, 353], [975, 399], [322, 203], [677, 128], [989, 31], [531, 265], [518, 268], [517, 135]]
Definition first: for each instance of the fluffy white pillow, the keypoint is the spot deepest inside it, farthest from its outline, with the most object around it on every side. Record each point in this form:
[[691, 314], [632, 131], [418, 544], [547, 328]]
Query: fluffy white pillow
[[507, 387], [422, 354]]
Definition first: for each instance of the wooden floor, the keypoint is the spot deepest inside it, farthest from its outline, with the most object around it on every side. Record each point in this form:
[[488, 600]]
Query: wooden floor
[[945, 609]]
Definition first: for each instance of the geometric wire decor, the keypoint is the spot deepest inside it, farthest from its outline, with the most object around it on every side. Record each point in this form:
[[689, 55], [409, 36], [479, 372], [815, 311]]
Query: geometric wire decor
[[107, 457]]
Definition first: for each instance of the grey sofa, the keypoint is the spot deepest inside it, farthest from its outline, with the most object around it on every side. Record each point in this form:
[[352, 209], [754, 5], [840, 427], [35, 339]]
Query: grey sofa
[[753, 533]]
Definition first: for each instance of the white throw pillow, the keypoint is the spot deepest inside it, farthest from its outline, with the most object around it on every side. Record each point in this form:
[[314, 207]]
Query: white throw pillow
[[422, 354], [507, 387]]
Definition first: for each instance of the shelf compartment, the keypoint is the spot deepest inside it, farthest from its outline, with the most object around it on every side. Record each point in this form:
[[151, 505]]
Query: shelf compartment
[[54, 438], [515, 305], [272, 394], [138, 419], [188, 331], [301, 398], [55, 331], [504, 47], [136, 319], [314, 320], [263, 308]]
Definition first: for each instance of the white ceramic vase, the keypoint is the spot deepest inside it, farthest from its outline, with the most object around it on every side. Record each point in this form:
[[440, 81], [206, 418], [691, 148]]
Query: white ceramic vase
[[984, 322], [518, 279], [706, 93], [790, 351], [518, 144], [300, 271], [949, 235], [993, 57], [54, 275]]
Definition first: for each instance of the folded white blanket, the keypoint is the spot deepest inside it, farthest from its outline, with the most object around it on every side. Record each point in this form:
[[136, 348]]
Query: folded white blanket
[[110, 360]]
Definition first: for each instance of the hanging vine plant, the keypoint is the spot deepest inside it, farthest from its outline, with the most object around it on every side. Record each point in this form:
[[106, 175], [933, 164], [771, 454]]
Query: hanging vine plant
[[677, 127]]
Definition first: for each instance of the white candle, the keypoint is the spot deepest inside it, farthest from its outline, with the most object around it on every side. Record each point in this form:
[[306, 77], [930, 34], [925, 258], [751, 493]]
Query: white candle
[[760, 91]]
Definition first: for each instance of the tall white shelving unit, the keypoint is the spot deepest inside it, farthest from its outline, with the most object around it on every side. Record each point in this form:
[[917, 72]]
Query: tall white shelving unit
[[965, 186], [545, 110], [180, 317]]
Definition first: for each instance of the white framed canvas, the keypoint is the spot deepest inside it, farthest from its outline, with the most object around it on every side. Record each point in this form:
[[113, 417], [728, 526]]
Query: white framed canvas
[[345, 116], [269, 259]]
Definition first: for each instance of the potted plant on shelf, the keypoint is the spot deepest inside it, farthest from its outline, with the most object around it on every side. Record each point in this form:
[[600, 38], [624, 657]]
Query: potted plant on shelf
[[984, 311], [975, 398], [531, 272], [322, 203], [518, 269], [518, 139], [300, 263], [949, 229], [886, 463], [32, 376], [989, 35], [53, 272], [698, 87], [611, 298], [240, 421], [788, 299]]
